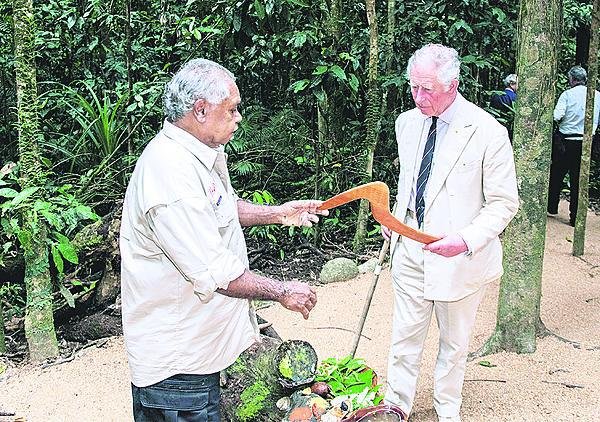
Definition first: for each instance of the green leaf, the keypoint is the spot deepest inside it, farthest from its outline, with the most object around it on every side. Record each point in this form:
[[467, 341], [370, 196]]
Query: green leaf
[[260, 9], [366, 377], [299, 85], [319, 70], [57, 259], [338, 72], [53, 219], [353, 82], [336, 386], [468, 59], [23, 195], [499, 13], [67, 295], [299, 39], [67, 249], [487, 364], [8, 193], [86, 213], [459, 24]]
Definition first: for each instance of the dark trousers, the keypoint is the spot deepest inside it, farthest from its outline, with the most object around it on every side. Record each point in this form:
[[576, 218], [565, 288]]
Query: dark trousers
[[566, 158], [180, 398]]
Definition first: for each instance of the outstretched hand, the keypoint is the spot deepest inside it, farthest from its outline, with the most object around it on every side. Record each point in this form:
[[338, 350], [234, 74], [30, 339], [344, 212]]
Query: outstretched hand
[[301, 213], [299, 297]]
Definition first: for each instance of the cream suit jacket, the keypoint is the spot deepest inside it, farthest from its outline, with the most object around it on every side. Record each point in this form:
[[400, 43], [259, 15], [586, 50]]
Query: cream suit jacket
[[472, 190]]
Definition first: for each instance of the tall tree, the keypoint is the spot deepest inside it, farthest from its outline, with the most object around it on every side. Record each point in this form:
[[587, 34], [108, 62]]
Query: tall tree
[[372, 120], [586, 147], [39, 320], [518, 320], [2, 338]]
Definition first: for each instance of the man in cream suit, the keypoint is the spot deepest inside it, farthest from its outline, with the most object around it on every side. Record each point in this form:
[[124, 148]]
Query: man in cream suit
[[457, 181]]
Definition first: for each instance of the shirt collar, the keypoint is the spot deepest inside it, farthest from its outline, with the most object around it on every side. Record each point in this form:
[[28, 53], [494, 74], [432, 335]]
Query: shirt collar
[[448, 115], [201, 151]]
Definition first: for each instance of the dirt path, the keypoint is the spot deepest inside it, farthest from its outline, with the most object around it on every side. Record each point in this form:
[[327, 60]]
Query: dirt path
[[95, 385]]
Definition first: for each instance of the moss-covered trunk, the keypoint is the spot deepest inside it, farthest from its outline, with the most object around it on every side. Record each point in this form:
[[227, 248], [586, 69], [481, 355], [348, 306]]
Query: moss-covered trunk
[[524, 239], [264, 373], [372, 122], [586, 147], [39, 320]]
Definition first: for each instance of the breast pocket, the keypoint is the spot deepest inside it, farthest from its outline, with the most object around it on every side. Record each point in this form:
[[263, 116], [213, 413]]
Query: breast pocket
[[225, 211]]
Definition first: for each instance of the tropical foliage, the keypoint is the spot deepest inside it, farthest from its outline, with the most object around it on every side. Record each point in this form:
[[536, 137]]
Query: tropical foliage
[[303, 70]]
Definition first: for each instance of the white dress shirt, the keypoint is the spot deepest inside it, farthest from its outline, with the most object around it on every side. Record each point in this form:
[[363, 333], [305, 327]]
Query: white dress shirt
[[180, 241], [569, 111], [443, 122]]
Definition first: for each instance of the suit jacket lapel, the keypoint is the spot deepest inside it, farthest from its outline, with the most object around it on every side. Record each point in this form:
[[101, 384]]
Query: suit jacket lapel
[[413, 139], [450, 148]]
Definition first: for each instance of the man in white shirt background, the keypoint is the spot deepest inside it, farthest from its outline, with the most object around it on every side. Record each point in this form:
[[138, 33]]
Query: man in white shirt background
[[185, 279], [569, 113]]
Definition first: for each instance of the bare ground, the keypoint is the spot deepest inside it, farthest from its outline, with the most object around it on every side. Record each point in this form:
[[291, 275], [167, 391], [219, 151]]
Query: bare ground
[[559, 382]]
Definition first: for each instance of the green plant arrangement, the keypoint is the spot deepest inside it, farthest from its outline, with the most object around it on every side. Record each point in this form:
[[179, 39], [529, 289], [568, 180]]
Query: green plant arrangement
[[350, 378]]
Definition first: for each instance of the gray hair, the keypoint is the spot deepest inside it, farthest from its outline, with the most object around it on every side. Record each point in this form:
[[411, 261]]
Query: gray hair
[[445, 59], [578, 74], [510, 80], [198, 78]]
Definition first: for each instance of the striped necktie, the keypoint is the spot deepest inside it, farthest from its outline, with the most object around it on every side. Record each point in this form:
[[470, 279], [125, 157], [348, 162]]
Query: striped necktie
[[424, 170]]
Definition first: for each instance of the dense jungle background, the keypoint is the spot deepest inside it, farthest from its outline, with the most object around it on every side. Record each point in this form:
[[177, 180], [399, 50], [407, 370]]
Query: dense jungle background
[[309, 96]]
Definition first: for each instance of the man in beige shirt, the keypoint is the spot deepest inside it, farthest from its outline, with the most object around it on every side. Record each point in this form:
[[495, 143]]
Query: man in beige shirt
[[185, 279]]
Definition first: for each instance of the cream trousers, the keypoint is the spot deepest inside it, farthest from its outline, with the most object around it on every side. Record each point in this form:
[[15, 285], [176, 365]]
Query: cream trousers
[[412, 317]]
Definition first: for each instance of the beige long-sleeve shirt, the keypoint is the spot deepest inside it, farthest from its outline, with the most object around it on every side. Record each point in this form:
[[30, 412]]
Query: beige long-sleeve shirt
[[180, 241]]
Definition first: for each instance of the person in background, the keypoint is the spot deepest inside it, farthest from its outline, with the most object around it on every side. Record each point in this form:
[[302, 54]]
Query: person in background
[[457, 181], [503, 104], [569, 113], [185, 282], [506, 100]]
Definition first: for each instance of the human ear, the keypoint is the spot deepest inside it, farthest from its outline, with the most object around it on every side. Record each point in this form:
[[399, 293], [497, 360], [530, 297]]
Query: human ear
[[200, 109]]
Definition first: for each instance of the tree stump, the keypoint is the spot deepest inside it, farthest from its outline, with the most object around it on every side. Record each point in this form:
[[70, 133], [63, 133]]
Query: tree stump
[[263, 374]]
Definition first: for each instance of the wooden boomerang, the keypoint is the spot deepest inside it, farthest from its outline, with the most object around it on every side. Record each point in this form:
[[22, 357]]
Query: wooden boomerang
[[378, 195]]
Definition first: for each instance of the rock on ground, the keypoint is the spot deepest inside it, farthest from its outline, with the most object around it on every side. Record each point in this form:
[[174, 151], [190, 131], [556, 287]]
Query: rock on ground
[[338, 269]]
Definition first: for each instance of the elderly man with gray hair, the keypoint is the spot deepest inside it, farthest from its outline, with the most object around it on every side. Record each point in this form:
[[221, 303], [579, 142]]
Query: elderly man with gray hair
[[569, 112], [504, 102], [457, 181], [185, 280]]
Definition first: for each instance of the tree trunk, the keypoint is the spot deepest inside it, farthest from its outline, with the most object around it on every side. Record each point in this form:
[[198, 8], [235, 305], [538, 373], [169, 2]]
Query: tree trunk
[[318, 145], [334, 19], [518, 319], [263, 374], [388, 50], [372, 121], [2, 338], [588, 132], [39, 320], [582, 44]]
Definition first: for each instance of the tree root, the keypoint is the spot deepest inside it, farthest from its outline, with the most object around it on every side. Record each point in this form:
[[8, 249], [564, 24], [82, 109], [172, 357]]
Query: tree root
[[543, 331]]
